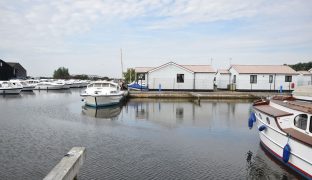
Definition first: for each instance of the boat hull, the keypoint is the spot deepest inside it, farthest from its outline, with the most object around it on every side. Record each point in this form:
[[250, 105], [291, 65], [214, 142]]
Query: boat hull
[[10, 90], [274, 140], [48, 87], [102, 100]]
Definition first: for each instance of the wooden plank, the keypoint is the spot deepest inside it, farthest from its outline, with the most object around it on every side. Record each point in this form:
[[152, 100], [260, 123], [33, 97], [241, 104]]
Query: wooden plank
[[68, 167]]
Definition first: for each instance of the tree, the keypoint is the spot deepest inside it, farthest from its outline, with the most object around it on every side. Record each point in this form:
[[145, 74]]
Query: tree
[[61, 73], [302, 66], [129, 75]]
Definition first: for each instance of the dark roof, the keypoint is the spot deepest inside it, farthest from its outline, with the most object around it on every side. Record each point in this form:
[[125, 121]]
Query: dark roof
[[14, 64]]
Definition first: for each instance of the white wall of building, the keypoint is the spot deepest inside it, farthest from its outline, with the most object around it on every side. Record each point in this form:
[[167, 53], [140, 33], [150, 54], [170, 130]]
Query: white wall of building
[[222, 80], [204, 81], [304, 80], [243, 82], [167, 77]]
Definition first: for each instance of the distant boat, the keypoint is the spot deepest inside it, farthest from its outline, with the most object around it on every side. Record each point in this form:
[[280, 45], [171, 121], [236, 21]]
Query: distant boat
[[7, 87], [25, 84], [137, 86], [285, 128], [50, 85], [103, 93]]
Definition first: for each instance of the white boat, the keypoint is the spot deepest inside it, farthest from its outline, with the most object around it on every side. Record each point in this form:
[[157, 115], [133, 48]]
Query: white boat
[[103, 93], [26, 86], [7, 87], [285, 130], [63, 83], [49, 85]]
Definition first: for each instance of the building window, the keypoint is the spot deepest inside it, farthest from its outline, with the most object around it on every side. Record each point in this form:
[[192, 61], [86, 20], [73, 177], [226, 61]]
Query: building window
[[234, 79], [301, 121], [180, 78], [0, 64], [253, 79], [271, 79], [288, 78], [141, 76]]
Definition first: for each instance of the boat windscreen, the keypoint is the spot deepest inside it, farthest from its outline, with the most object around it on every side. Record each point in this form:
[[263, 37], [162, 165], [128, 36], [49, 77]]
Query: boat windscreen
[[105, 85]]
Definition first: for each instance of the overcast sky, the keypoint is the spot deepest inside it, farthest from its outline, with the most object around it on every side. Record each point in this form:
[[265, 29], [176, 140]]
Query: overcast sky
[[86, 36]]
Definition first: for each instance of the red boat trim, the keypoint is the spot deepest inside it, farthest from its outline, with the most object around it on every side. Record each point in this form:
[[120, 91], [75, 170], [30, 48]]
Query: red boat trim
[[294, 167]]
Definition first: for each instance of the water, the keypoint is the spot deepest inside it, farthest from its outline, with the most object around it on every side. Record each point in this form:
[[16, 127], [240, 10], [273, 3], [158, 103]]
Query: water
[[143, 139]]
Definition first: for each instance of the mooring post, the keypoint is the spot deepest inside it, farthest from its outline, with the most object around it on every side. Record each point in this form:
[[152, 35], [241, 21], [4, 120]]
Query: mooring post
[[68, 167]]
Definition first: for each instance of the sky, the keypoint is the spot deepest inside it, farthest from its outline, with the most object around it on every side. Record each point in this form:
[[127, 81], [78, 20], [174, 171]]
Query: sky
[[86, 36]]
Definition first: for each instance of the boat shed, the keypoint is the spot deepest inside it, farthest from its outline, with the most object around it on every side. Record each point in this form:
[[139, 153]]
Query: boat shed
[[223, 78], [141, 74], [172, 76], [263, 77], [6, 71], [304, 78], [18, 70]]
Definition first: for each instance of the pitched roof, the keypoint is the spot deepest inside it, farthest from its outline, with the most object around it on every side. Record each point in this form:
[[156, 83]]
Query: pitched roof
[[304, 72], [200, 68], [263, 69], [223, 71], [193, 68], [142, 69]]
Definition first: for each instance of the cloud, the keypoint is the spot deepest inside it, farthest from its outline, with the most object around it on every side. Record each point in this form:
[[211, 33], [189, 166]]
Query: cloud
[[79, 29]]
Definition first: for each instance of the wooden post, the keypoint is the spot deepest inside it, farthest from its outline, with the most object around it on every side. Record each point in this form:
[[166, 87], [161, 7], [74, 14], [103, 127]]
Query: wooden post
[[68, 167]]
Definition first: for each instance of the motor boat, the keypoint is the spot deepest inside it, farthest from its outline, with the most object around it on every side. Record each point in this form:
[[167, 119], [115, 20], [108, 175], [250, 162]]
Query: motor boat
[[49, 85], [103, 93], [285, 128], [7, 87], [25, 84], [137, 86]]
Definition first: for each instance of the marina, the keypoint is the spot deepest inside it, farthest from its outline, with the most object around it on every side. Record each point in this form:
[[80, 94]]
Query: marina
[[138, 139]]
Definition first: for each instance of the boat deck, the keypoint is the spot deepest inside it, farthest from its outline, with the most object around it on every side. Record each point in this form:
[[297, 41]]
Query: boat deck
[[269, 110], [299, 135], [295, 105]]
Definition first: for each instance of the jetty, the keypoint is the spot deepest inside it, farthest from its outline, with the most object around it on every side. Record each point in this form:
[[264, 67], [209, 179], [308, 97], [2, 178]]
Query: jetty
[[68, 167], [200, 95]]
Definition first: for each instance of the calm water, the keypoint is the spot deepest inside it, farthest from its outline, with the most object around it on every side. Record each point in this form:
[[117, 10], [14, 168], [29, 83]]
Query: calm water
[[144, 139]]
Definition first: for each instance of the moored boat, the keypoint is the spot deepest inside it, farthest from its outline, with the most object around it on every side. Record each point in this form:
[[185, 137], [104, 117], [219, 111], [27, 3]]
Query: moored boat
[[26, 86], [103, 93], [285, 130], [7, 87]]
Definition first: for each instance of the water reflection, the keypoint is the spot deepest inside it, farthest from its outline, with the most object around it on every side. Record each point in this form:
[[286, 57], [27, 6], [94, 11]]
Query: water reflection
[[110, 112], [172, 113], [263, 166]]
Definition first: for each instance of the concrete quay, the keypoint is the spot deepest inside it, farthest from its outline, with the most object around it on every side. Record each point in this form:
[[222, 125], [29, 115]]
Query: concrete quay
[[201, 95]]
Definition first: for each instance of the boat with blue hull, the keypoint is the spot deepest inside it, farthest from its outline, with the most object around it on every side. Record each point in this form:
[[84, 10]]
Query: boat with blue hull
[[285, 130]]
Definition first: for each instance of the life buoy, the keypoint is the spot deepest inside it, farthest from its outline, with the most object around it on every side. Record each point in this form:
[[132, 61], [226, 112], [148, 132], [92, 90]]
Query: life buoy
[[286, 153]]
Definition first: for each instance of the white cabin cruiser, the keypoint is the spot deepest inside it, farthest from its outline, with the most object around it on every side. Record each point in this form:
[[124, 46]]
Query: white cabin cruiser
[[103, 93], [26, 86], [49, 85], [7, 87], [285, 130]]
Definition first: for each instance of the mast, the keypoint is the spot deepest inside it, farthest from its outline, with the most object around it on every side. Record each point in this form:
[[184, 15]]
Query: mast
[[121, 63]]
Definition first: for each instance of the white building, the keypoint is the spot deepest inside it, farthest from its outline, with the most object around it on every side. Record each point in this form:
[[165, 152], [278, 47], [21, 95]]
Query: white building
[[304, 78], [172, 76], [223, 78], [263, 77]]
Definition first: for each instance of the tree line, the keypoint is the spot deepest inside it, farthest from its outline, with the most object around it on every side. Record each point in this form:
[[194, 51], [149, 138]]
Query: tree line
[[302, 66]]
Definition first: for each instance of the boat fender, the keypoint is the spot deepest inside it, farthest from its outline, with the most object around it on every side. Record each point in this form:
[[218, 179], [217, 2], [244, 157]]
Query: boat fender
[[251, 120], [286, 153], [262, 127]]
